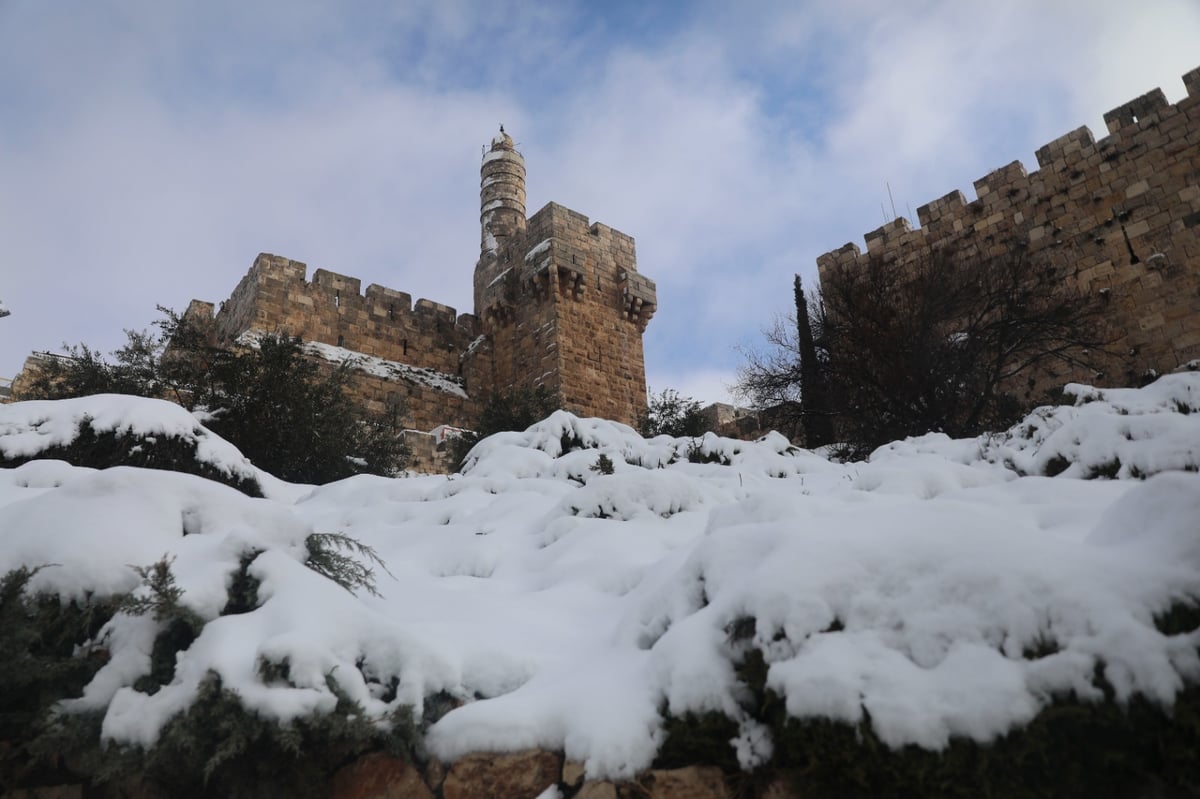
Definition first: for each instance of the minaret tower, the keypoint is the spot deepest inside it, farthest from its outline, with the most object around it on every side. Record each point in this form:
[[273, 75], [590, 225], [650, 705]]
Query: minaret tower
[[501, 193], [501, 206], [559, 300]]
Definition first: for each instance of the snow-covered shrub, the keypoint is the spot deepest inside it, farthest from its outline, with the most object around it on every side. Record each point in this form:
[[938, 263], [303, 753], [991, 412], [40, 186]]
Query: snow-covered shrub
[[930, 614], [1115, 432], [107, 430]]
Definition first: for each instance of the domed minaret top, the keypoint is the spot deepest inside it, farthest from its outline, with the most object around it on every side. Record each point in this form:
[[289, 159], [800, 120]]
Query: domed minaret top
[[502, 141], [501, 194]]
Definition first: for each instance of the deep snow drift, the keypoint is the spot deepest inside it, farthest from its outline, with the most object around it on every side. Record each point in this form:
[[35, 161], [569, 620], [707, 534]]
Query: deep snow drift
[[945, 587]]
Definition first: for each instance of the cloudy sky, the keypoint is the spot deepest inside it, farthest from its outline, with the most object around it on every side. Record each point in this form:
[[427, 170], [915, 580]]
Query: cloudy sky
[[149, 149]]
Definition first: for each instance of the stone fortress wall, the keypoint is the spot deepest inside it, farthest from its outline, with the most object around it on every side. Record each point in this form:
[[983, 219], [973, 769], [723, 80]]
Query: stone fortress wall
[[558, 303], [1124, 209], [403, 352]]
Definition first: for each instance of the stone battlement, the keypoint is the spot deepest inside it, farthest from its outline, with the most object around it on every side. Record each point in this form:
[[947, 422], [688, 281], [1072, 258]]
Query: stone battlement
[[1077, 172], [1123, 210], [275, 295]]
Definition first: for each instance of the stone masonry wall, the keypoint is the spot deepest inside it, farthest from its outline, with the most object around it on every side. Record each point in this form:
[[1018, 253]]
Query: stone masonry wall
[[564, 307], [276, 297], [402, 352], [1125, 210]]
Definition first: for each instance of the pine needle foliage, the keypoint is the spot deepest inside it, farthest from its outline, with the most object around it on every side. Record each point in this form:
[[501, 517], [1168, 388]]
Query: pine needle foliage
[[603, 465], [161, 596], [345, 560], [217, 747], [44, 657]]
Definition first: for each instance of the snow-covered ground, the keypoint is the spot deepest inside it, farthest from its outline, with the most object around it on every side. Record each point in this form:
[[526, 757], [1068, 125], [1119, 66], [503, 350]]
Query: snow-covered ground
[[944, 588]]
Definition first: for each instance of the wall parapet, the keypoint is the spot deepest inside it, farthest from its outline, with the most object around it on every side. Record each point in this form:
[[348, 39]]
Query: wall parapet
[[1064, 162], [347, 290], [1120, 216], [276, 296]]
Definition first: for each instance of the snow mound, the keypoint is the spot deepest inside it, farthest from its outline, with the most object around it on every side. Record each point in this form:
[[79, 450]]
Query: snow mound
[[28, 429], [943, 589], [1111, 432]]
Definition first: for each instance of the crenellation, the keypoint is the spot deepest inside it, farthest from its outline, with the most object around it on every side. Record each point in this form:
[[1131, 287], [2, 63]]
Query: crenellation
[[1123, 212], [998, 187], [948, 205], [344, 284], [1191, 82], [889, 231], [389, 302], [1136, 110], [1066, 149]]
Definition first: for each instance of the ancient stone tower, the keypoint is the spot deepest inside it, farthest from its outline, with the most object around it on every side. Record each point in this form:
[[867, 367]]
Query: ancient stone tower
[[559, 303], [560, 300]]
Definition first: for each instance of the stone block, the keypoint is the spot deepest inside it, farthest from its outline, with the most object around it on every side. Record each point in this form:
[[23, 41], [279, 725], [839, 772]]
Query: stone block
[[378, 776], [692, 782], [597, 790], [1139, 228], [520, 775], [1137, 189]]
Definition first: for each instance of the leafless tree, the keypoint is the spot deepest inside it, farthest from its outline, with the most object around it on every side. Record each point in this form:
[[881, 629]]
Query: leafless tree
[[938, 343]]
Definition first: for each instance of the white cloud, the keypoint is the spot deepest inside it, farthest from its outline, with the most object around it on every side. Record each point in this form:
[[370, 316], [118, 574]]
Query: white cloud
[[155, 149]]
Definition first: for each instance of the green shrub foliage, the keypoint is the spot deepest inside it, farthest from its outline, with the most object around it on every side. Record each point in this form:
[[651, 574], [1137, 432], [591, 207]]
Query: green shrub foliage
[[44, 657], [49, 651], [603, 465], [670, 413], [101, 450], [219, 748], [326, 557], [290, 415], [1071, 748]]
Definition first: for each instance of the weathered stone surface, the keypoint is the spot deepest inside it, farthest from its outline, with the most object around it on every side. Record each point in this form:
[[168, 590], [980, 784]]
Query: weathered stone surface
[[519, 775], [435, 773], [692, 782], [597, 790], [378, 776], [1121, 213], [572, 773]]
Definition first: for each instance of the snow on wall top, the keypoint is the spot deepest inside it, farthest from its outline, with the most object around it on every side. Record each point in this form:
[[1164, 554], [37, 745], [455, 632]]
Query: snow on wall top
[[372, 365]]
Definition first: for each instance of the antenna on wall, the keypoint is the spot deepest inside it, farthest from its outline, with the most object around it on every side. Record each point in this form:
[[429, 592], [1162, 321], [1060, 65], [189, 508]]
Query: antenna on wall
[[890, 198]]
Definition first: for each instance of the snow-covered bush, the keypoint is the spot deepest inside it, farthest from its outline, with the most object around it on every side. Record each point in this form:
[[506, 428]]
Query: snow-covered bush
[[941, 613], [106, 430]]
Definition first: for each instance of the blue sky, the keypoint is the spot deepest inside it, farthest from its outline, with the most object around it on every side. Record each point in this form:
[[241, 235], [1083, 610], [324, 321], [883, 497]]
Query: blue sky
[[149, 150]]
